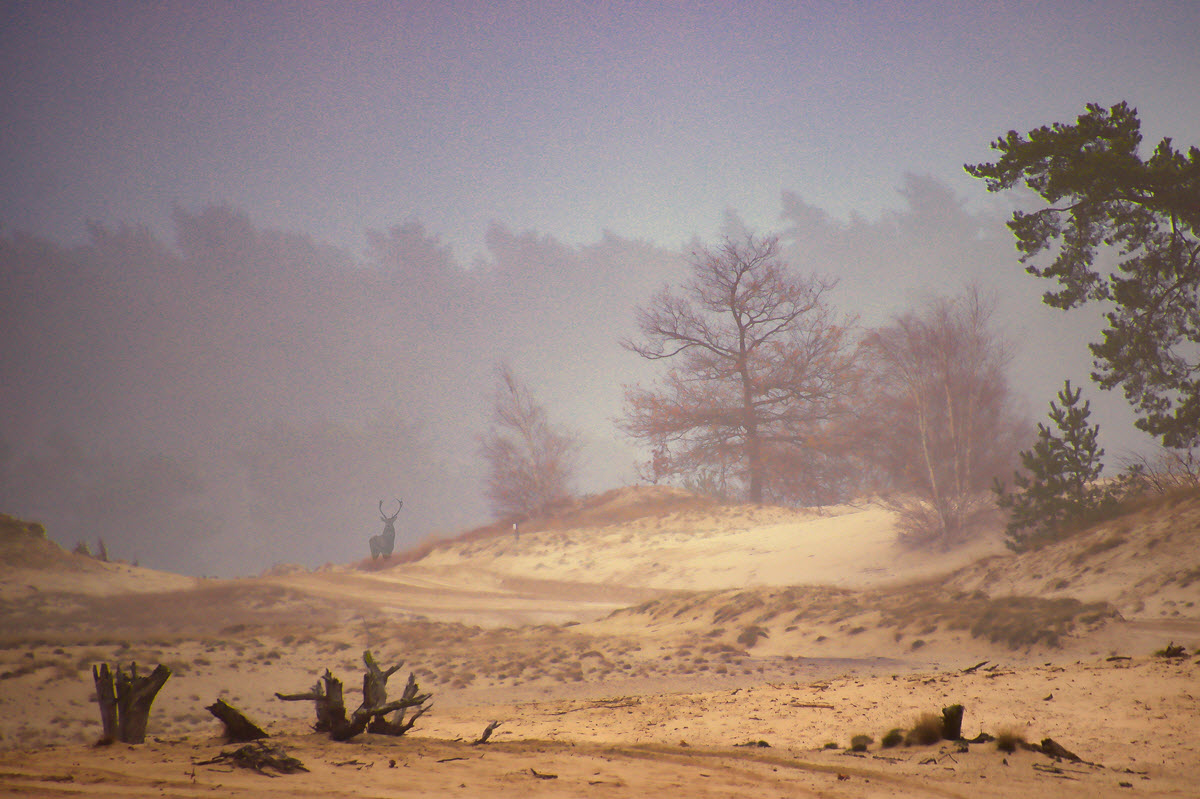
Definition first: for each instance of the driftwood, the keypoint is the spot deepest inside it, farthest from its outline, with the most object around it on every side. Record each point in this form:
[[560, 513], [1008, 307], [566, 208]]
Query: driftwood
[[125, 701], [238, 728], [327, 696], [487, 733], [1052, 748], [260, 757]]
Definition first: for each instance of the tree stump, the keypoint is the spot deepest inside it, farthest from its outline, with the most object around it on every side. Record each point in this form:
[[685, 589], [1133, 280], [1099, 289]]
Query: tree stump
[[238, 728], [952, 717], [375, 696], [327, 696], [125, 701]]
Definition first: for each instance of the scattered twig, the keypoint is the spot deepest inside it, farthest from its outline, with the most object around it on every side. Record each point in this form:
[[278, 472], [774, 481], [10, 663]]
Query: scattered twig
[[605, 704], [541, 776], [1051, 769], [976, 667]]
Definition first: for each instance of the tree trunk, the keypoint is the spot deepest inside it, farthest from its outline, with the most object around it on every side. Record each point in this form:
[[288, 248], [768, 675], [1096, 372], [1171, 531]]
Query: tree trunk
[[397, 725], [952, 718], [106, 697], [125, 701]]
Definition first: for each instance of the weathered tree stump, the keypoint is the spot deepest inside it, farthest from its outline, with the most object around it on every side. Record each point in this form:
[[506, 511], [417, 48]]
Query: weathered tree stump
[[327, 696], [125, 701], [238, 728], [375, 696], [952, 717]]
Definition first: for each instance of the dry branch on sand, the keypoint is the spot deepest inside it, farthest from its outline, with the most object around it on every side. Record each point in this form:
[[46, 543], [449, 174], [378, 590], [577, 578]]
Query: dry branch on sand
[[259, 757], [487, 733], [238, 728]]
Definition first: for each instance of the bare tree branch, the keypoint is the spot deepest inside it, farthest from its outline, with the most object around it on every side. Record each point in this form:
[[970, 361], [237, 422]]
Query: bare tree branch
[[761, 364]]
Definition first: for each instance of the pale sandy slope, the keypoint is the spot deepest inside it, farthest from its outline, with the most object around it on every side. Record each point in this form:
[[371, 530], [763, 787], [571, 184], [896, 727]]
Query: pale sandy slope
[[634, 706], [581, 572]]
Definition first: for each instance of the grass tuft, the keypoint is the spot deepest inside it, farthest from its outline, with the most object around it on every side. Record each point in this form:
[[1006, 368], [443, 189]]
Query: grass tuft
[[927, 730]]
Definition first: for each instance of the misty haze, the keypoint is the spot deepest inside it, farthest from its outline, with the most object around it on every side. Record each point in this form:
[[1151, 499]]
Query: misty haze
[[234, 397], [284, 307], [659, 388]]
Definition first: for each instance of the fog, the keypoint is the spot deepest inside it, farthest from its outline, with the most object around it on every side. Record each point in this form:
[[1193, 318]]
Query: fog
[[237, 397], [258, 263]]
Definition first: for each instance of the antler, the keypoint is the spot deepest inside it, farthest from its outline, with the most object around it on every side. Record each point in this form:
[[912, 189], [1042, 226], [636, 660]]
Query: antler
[[391, 518]]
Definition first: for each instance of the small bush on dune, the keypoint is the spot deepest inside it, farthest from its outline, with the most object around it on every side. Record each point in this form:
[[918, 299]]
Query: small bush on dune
[[894, 738], [859, 743], [750, 635]]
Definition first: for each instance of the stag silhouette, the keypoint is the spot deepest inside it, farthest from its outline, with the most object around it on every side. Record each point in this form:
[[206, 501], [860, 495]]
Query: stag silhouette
[[383, 544]]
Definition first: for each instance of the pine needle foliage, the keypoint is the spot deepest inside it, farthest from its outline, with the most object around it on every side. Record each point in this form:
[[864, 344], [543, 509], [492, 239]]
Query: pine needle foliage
[[1058, 487]]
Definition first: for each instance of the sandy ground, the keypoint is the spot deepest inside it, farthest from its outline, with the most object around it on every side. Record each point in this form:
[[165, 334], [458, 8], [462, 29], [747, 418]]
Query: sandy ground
[[632, 658]]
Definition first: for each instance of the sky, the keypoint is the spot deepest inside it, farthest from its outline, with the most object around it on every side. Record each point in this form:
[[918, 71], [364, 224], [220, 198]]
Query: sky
[[263, 258]]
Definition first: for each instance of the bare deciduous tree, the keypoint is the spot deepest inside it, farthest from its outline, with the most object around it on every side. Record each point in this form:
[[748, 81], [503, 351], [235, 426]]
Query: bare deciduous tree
[[530, 461], [940, 424], [762, 366]]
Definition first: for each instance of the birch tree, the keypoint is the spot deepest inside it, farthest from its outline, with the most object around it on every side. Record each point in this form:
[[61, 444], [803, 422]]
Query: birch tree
[[940, 423], [530, 461]]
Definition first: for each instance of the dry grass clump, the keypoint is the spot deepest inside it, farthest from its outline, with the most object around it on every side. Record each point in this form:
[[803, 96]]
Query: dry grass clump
[[918, 608], [1008, 739], [893, 738], [739, 605], [1098, 547], [1015, 621], [926, 730]]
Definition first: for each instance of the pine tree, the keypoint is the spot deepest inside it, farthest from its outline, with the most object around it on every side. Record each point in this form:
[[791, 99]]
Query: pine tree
[[1058, 487]]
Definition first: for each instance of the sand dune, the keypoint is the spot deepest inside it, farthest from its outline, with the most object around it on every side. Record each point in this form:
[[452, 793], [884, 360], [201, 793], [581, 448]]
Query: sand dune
[[631, 645]]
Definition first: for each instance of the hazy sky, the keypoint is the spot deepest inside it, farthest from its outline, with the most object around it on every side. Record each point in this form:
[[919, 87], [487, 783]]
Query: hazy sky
[[352, 211], [648, 119]]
